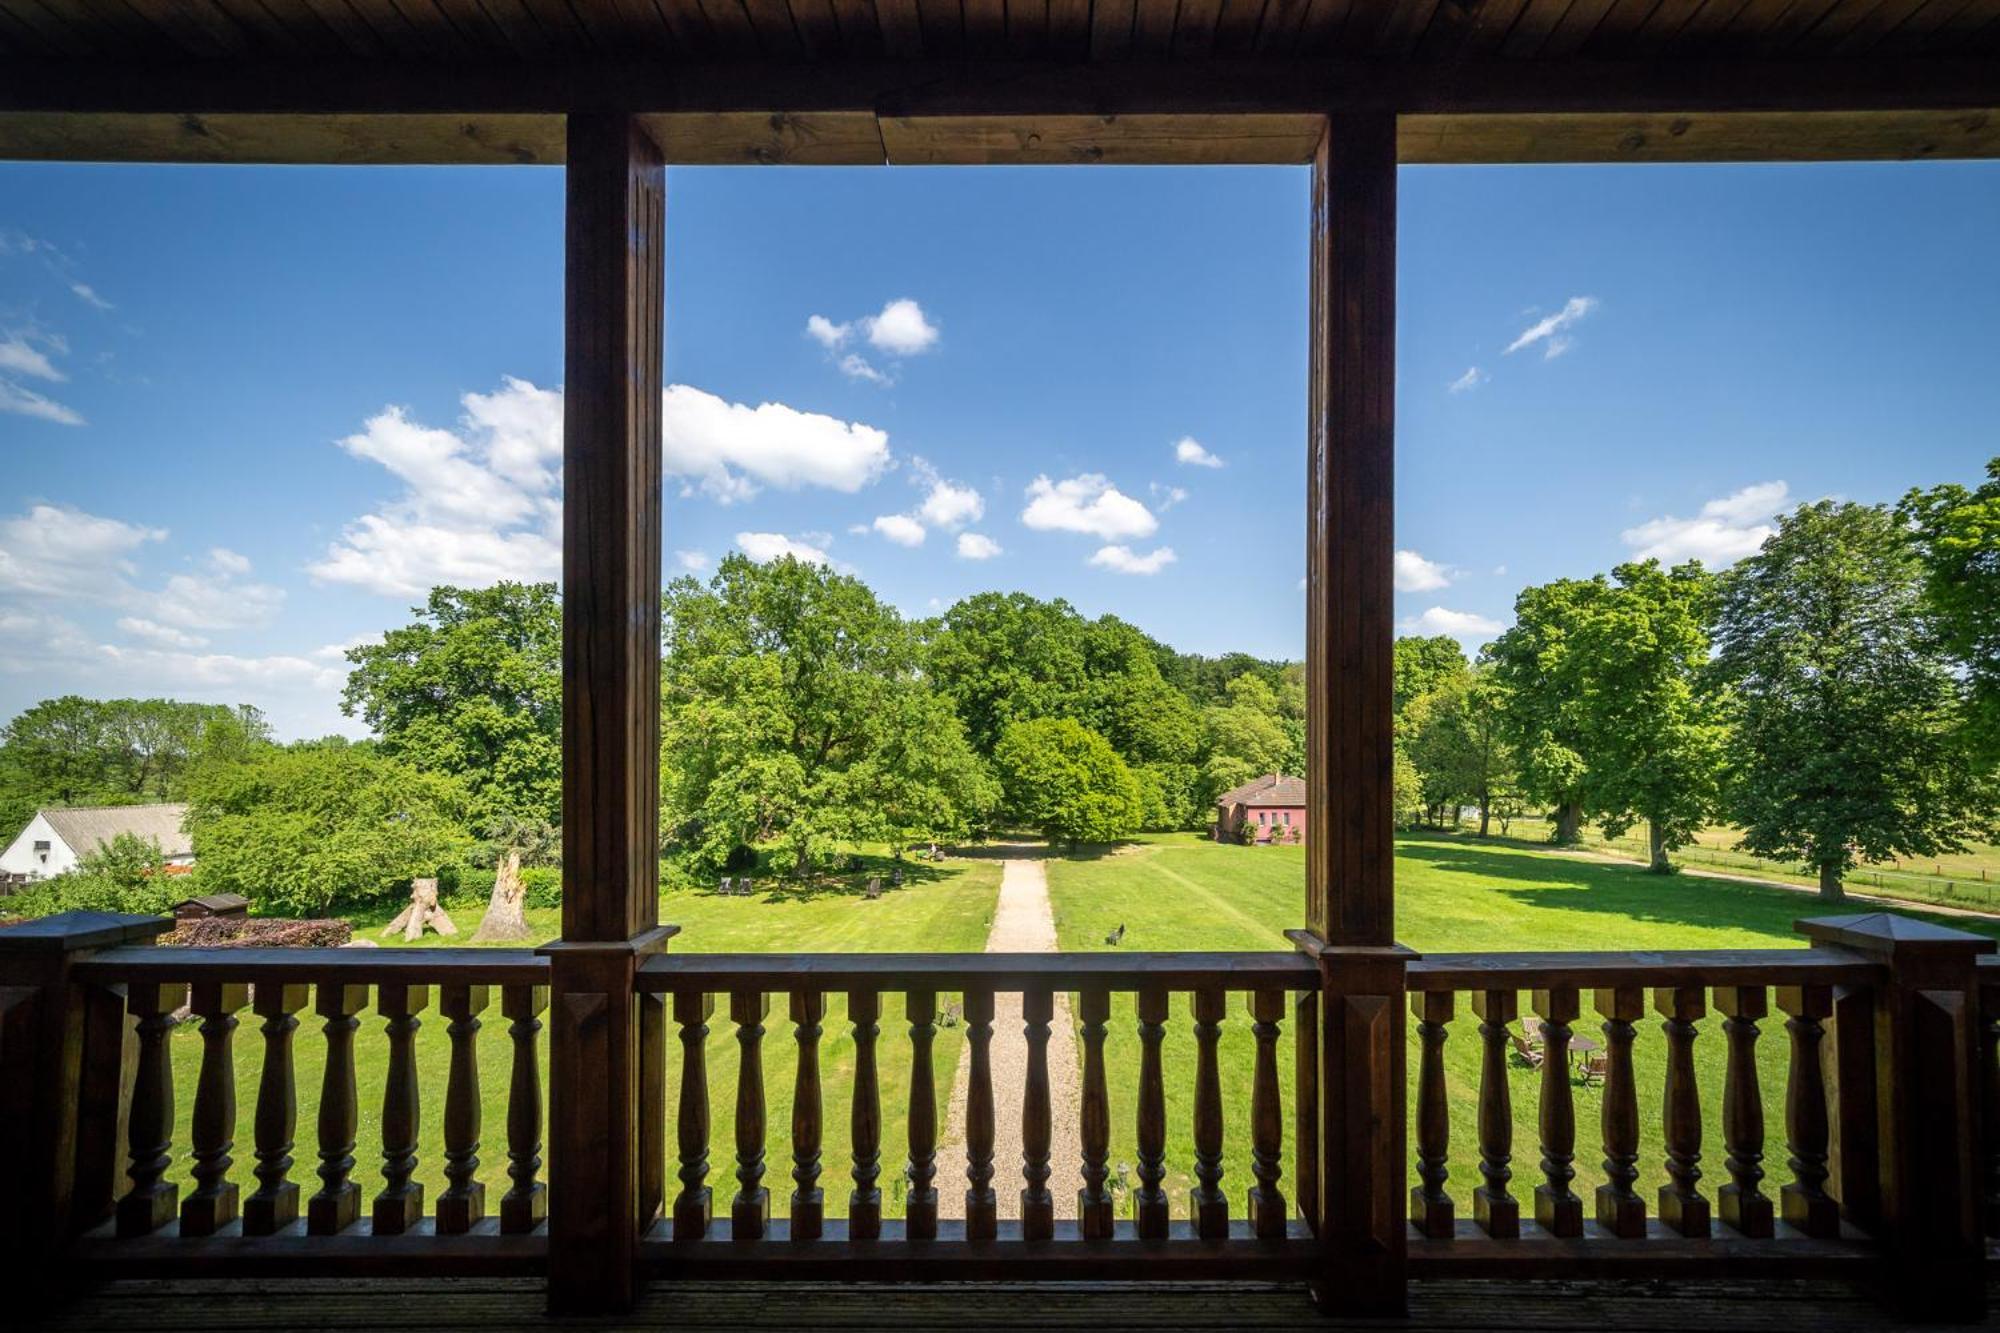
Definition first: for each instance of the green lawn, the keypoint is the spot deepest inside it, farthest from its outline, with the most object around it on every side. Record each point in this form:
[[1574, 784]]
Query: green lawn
[[947, 907], [1453, 894]]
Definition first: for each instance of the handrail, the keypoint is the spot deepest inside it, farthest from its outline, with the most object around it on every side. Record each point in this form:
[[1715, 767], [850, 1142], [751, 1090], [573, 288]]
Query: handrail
[[1681, 967], [357, 967], [688, 972]]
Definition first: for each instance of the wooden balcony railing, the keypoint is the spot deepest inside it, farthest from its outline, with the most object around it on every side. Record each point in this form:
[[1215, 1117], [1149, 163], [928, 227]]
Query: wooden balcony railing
[[1888, 1075]]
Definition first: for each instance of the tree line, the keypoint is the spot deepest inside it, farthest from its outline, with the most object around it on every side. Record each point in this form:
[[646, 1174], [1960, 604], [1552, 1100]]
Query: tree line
[[1836, 696]]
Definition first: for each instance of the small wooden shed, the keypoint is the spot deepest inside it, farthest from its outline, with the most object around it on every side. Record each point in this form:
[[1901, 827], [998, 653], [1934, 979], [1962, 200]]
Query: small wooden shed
[[211, 904]]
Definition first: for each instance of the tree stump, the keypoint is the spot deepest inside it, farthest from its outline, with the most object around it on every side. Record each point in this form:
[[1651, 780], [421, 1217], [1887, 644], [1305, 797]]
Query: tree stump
[[423, 911], [504, 919]]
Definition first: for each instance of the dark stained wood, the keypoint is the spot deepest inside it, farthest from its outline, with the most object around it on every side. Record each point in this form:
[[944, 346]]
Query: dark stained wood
[[463, 1202], [990, 971], [1431, 1209], [1682, 1206], [921, 1205], [1742, 1201], [1493, 1206], [1305, 1101], [808, 1209], [1149, 1201], [1207, 1204], [343, 967], [750, 1211], [274, 1204], [864, 1202], [401, 1201], [1364, 1163], [1557, 1209], [1265, 1203], [1680, 968], [692, 1205], [1803, 1199], [212, 1203], [1350, 534], [1038, 1205], [650, 1023], [1094, 1213], [1989, 1057], [981, 1203], [152, 1201], [1620, 1209], [336, 1205], [1854, 1155], [525, 1204]]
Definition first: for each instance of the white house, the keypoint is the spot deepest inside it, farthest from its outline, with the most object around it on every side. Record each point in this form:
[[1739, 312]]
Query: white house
[[56, 839]]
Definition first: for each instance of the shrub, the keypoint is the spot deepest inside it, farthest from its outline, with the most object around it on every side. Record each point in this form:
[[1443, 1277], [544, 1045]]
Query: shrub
[[126, 875], [261, 932]]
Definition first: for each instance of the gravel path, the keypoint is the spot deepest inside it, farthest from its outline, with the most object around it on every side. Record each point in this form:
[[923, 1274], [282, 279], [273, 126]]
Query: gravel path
[[1022, 923]]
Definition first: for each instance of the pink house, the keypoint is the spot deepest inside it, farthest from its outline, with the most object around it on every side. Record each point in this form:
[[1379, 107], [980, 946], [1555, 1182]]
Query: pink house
[[1273, 805]]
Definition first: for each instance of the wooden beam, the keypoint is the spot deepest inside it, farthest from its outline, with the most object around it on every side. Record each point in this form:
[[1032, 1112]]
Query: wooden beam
[[1350, 534]]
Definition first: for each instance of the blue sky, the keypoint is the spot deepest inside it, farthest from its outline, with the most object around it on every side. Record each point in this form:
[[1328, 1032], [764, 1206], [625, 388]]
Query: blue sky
[[247, 415]]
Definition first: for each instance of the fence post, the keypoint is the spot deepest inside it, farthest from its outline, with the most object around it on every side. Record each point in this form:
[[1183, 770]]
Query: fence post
[[1925, 1068], [62, 1071]]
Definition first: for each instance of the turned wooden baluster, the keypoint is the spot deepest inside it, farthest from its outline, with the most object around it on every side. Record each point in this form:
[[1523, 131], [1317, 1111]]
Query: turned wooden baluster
[[1804, 1200], [1620, 1209], [1093, 1201], [1557, 1209], [750, 1211], [463, 1202], [337, 1205], [1682, 1207], [1989, 1046], [1431, 1209], [691, 1206], [1742, 1202], [864, 1202], [981, 1204], [1149, 1201], [151, 1202], [808, 1200], [401, 1203], [274, 1204], [1265, 1202], [920, 1213], [1207, 1204], [526, 1201], [211, 1205], [1038, 1205], [1496, 1211], [1305, 1101]]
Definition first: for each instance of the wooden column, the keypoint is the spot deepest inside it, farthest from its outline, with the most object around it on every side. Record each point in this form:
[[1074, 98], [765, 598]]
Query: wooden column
[[614, 287], [1926, 1048], [1350, 849]]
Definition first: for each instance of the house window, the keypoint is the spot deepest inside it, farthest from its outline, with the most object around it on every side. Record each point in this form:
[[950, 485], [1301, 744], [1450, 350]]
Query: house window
[[1288, 819], [41, 851]]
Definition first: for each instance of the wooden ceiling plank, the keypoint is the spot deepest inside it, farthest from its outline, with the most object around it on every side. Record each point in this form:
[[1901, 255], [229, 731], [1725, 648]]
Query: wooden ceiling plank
[[1319, 28], [477, 32], [1575, 29], [1915, 32], [1110, 28], [1069, 29], [1948, 34], [1705, 27], [1468, 29], [943, 24], [1194, 27], [729, 22], [1617, 32], [1745, 32], [561, 29], [1794, 18], [1880, 21], [1404, 26], [1278, 30], [347, 27], [68, 38], [198, 24], [1237, 26], [116, 26], [1153, 28], [860, 32], [1027, 28], [902, 29], [817, 27], [1362, 28], [777, 37], [1538, 18], [986, 24], [1834, 25], [21, 37], [604, 27], [519, 32], [399, 36]]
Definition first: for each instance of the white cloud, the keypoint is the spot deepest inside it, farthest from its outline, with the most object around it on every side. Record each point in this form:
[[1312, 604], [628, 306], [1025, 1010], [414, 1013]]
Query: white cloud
[[1124, 560], [158, 635], [901, 329], [56, 551], [1189, 450], [227, 561], [729, 449], [947, 504], [858, 367], [20, 356], [827, 333], [1726, 530], [694, 562], [217, 601], [900, 529], [88, 295], [28, 403], [1088, 504], [1166, 497], [1470, 380], [1416, 574], [1458, 624], [976, 546], [764, 547], [1548, 327]]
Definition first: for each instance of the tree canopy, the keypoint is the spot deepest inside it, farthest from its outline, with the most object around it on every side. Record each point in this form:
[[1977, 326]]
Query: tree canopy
[[1066, 781], [1957, 535]]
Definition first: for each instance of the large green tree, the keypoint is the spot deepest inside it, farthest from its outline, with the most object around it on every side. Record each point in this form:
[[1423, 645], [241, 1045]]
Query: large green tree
[[793, 712], [473, 689], [1002, 658], [1064, 779], [1422, 664], [1848, 742], [1957, 534], [1455, 740], [297, 829], [1547, 710]]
